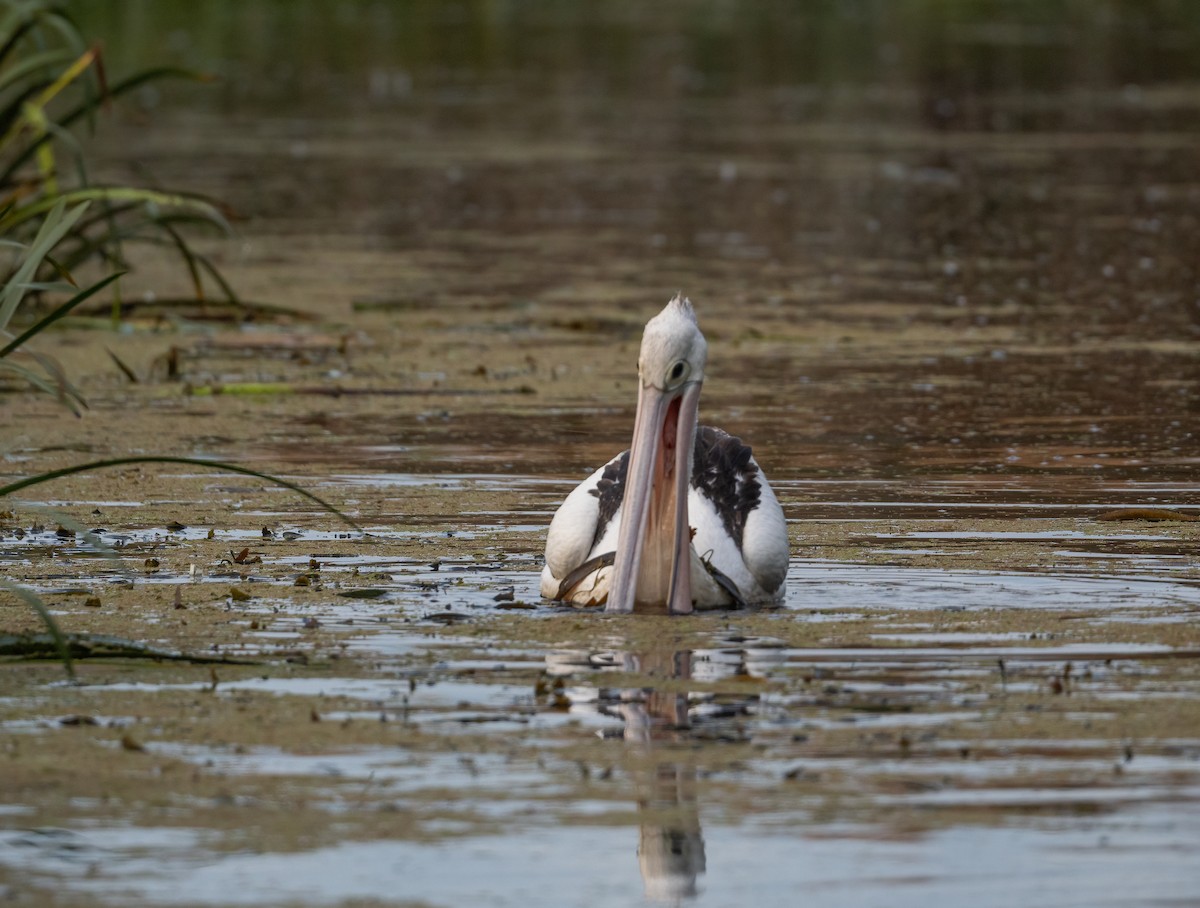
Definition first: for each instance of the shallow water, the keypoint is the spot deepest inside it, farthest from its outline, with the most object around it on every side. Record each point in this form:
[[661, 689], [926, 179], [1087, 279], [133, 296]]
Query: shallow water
[[1024, 693], [945, 261], [929, 724], [1092, 863]]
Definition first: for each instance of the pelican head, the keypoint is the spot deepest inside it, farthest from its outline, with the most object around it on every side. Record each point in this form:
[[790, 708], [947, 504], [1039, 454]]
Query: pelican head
[[653, 560]]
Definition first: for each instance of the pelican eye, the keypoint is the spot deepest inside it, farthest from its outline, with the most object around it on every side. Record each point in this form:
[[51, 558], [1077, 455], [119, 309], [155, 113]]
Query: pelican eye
[[677, 372]]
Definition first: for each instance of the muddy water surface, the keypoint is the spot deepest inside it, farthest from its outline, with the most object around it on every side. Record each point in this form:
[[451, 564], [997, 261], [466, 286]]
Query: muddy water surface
[[947, 273]]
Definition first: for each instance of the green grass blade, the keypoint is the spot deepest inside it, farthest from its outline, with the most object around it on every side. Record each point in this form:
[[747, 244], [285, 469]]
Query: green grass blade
[[117, 194], [53, 229], [54, 18], [34, 379], [53, 383], [191, 461], [35, 603], [9, 114], [67, 139], [66, 393], [189, 259], [50, 286], [16, 25], [112, 211], [138, 79], [34, 112], [58, 313], [216, 275], [124, 229], [64, 273], [32, 65], [87, 108]]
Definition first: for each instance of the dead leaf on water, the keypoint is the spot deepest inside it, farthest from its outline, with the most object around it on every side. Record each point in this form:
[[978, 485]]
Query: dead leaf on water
[[1146, 514], [446, 617], [120, 364], [363, 594]]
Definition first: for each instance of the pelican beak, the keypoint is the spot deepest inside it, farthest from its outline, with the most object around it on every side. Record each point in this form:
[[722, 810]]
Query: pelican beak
[[653, 560]]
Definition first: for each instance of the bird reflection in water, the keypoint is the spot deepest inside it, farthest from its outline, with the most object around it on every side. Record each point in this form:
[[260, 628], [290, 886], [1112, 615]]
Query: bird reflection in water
[[670, 845], [662, 724]]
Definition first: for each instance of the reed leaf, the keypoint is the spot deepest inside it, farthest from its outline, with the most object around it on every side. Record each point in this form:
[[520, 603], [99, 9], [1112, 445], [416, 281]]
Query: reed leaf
[[52, 16], [117, 194], [65, 78], [67, 283], [215, 274], [50, 80], [58, 221], [23, 19], [31, 66], [191, 461], [189, 258], [10, 113], [87, 108], [35, 379], [58, 313], [64, 391], [49, 286], [33, 111], [35, 603]]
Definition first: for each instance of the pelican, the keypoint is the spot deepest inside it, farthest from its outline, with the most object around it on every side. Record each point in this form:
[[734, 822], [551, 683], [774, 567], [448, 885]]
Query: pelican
[[685, 518]]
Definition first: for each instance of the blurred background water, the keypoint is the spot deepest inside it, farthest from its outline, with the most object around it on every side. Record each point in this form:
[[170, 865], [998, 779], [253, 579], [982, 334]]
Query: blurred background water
[[969, 224], [1033, 156]]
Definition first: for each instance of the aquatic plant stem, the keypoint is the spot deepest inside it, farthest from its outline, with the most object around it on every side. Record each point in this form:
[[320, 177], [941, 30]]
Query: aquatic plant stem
[[35, 603], [191, 461]]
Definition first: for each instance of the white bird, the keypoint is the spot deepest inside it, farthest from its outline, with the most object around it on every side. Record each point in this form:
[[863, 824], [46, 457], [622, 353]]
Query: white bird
[[685, 518]]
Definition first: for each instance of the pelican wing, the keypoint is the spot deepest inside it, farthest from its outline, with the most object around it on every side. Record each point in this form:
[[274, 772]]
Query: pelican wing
[[579, 525], [726, 475]]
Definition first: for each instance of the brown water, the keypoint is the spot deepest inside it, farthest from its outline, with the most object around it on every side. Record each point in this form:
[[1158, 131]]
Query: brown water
[[945, 259]]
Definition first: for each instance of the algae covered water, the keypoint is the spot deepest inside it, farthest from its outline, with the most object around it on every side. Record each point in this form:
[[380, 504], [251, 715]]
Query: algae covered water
[[944, 259]]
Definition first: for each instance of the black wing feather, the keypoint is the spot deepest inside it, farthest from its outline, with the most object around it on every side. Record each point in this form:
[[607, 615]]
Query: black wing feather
[[723, 472], [610, 490]]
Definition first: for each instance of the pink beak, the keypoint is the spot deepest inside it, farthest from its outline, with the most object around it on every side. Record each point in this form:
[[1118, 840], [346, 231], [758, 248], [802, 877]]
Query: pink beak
[[653, 560]]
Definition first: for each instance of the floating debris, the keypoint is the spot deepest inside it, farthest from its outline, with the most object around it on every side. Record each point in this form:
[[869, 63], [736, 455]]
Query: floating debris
[[1149, 514]]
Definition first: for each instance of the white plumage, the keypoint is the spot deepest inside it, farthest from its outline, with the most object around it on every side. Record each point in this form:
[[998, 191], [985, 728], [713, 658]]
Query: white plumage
[[727, 546]]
